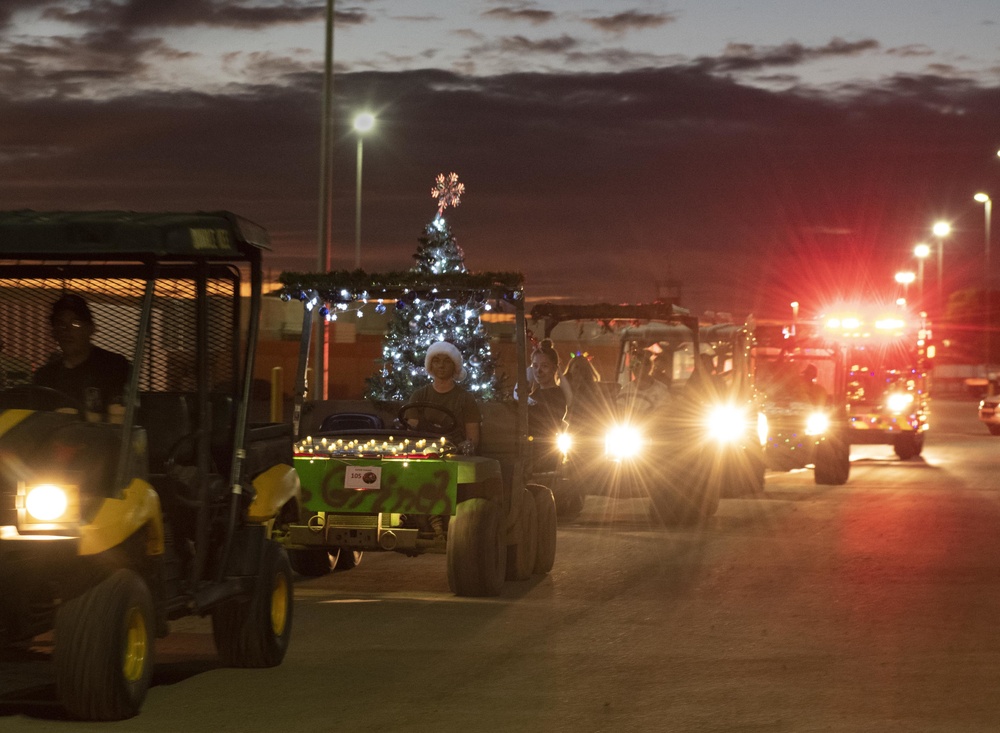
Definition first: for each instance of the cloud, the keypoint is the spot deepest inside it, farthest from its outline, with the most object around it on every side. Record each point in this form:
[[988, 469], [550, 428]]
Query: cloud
[[531, 15], [10, 8], [519, 45], [78, 65], [596, 185], [243, 14], [631, 20], [748, 57]]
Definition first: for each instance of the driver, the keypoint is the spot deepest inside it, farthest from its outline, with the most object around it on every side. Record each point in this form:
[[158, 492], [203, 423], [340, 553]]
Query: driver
[[443, 363], [93, 376]]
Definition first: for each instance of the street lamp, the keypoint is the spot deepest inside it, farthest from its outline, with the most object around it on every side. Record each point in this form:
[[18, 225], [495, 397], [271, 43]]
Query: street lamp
[[987, 203], [921, 252], [362, 124], [905, 279], [941, 230]]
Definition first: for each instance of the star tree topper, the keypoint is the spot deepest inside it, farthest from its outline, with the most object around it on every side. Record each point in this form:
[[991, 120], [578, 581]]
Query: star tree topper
[[448, 191]]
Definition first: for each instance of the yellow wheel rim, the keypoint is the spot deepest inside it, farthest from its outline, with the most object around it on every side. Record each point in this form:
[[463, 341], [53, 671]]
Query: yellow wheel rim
[[279, 604], [136, 646]]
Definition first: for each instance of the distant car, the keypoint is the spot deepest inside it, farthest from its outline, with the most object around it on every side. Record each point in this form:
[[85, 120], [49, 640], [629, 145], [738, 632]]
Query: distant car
[[989, 413]]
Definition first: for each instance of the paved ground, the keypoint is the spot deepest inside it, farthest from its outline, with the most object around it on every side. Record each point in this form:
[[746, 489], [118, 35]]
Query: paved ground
[[868, 607]]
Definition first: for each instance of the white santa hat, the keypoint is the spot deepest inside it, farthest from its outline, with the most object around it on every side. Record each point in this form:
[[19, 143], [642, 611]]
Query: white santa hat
[[449, 350]]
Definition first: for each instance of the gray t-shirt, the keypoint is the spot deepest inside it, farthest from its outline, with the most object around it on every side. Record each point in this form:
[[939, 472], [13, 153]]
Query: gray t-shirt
[[457, 401]]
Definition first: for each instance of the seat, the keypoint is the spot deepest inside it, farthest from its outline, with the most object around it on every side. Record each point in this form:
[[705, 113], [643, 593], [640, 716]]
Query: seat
[[351, 421], [166, 418]]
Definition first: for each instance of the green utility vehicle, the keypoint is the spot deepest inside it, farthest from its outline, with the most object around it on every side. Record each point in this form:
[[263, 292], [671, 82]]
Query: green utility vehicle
[[111, 525], [803, 375], [372, 482], [679, 423]]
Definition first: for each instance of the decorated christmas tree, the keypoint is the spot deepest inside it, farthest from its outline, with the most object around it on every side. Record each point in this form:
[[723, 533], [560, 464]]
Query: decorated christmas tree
[[418, 323]]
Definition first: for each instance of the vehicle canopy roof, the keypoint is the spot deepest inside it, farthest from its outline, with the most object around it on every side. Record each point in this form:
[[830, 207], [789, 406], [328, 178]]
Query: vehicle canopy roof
[[119, 235], [345, 286], [552, 314]]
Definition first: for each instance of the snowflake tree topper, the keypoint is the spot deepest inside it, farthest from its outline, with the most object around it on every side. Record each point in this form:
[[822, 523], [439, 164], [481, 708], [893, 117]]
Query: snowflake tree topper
[[448, 191]]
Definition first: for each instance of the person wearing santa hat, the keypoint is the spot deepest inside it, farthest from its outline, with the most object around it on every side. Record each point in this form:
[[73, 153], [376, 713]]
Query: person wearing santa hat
[[443, 363]]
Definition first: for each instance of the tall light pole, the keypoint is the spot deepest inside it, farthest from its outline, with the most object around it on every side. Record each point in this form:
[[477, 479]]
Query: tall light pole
[[941, 230], [921, 252], [321, 371], [362, 124], [987, 203]]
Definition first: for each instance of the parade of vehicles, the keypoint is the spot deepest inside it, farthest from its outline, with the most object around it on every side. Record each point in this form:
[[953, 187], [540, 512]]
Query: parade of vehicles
[[839, 380], [700, 441], [371, 482], [111, 528]]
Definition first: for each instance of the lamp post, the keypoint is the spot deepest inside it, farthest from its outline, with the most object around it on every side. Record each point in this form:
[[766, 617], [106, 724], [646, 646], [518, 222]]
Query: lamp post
[[921, 252], [941, 230], [362, 124], [987, 203]]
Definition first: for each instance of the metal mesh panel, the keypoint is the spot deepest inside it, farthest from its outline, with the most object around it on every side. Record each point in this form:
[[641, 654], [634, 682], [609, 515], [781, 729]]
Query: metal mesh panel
[[168, 361]]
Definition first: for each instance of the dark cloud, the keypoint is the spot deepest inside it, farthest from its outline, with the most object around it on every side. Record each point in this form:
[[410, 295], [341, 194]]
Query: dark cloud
[[532, 15], [522, 45], [65, 65], [631, 20], [747, 57], [596, 186], [243, 14], [9, 8]]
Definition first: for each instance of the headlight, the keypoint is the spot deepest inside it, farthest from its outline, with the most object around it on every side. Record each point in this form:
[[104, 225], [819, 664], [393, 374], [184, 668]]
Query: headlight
[[898, 402], [726, 423], [817, 423], [564, 441], [762, 428], [623, 441], [47, 505]]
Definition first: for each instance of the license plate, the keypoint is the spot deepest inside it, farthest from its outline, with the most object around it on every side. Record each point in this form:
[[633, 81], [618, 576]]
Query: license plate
[[363, 478]]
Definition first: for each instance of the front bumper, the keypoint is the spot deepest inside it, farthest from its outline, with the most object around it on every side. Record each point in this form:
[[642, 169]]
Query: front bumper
[[876, 428]]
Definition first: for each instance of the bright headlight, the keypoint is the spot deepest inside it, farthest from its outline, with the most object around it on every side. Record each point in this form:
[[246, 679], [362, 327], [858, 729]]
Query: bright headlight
[[46, 503], [726, 423], [762, 429], [899, 401], [817, 423], [564, 441], [623, 441]]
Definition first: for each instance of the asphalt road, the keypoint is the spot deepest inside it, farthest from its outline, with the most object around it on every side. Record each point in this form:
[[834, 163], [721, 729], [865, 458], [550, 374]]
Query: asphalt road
[[869, 607]]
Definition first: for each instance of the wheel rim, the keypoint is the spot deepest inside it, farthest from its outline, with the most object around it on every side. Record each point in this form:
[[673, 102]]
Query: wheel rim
[[136, 646], [279, 604]]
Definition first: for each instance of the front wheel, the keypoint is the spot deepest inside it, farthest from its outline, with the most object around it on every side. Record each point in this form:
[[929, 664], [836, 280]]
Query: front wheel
[[908, 445], [521, 554], [545, 510], [477, 549], [254, 631], [833, 462], [104, 648]]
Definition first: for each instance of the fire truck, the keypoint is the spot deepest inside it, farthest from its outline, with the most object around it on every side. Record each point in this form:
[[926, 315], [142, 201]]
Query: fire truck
[[855, 375], [890, 354]]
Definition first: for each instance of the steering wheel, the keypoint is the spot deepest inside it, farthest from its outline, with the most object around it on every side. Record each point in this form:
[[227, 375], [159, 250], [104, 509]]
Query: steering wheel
[[442, 419], [37, 397]]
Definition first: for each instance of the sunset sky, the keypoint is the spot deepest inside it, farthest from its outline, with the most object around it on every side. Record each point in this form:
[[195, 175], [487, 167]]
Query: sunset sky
[[757, 152]]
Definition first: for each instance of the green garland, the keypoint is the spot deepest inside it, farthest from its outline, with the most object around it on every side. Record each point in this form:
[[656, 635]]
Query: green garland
[[344, 286]]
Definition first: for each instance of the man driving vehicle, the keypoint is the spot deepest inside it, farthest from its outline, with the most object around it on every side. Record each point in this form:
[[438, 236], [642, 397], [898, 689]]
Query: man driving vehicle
[[94, 377]]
